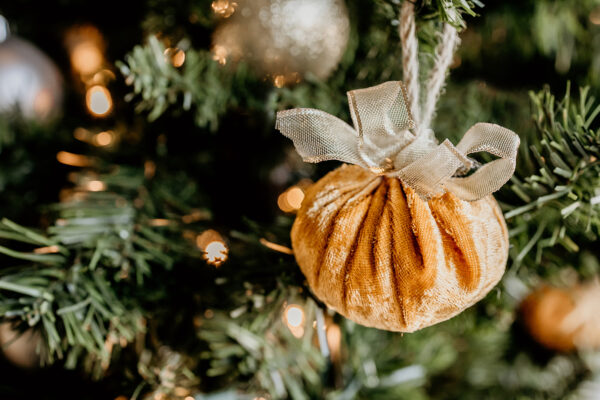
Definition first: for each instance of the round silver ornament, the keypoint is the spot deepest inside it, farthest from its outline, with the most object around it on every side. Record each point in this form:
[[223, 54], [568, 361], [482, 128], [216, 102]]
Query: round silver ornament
[[30, 83], [285, 39]]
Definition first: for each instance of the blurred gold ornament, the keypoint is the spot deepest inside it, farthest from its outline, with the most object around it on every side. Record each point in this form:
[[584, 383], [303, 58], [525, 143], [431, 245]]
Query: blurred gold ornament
[[214, 247], [98, 101], [175, 56], [564, 319], [284, 39], [30, 83], [20, 348]]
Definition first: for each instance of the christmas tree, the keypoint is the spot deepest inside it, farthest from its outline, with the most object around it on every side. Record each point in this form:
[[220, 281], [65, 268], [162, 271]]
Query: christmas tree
[[148, 199]]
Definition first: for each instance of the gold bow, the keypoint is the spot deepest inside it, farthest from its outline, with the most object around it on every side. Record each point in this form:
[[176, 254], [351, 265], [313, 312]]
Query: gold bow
[[383, 143]]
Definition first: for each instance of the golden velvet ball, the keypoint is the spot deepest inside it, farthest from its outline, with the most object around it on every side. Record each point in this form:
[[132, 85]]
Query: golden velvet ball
[[376, 252], [564, 319]]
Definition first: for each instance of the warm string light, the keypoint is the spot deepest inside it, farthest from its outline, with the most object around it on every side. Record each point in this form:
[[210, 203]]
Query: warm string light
[[74, 160], [86, 58], [99, 139], [98, 101], [293, 317], [276, 247], [159, 222], [213, 246], [280, 81], [46, 250], [104, 138], [195, 216], [174, 56], [334, 340], [291, 199], [95, 186], [224, 8], [149, 169], [182, 392], [86, 50], [220, 54]]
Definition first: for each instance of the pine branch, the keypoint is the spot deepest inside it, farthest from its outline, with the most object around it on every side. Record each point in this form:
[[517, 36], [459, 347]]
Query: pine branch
[[200, 83], [559, 200], [75, 287], [450, 11]]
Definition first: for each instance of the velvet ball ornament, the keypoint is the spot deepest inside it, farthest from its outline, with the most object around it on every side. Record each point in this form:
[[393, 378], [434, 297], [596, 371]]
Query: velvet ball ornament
[[372, 249], [402, 239]]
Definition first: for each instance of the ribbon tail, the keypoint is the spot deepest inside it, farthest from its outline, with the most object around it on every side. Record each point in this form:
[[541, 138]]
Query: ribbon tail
[[433, 173], [319, 136], [486, 180], [493, 139]]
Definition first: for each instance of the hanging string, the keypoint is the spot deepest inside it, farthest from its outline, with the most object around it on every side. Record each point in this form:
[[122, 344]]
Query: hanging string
[[410, 65], [437, 76], [410, 56], [385, 139]]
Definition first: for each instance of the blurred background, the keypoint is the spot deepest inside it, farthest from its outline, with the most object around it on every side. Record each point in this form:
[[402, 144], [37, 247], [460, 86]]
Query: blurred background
[[147, 199]]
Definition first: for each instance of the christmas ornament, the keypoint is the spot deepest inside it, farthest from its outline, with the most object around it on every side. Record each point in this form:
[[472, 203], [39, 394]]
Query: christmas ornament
[[564, 319], [19, 348], [284, 39], [402, 239], [29, 81]]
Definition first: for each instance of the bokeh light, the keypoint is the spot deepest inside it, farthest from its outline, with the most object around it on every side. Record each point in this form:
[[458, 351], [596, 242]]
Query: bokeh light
[[213, 246], [291, 199], [175, 56], [98, 100], [294, 319]]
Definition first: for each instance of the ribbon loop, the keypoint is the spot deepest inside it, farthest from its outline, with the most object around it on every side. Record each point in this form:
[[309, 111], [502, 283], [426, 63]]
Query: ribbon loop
[[382, 141], [380, 110], [319, 136]]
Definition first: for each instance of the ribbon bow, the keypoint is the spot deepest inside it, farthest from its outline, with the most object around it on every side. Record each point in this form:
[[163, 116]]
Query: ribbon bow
[[382, 141]]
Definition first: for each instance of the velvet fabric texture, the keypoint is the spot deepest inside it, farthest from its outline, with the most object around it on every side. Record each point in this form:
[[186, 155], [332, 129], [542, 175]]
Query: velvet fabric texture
[[379, 254]]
